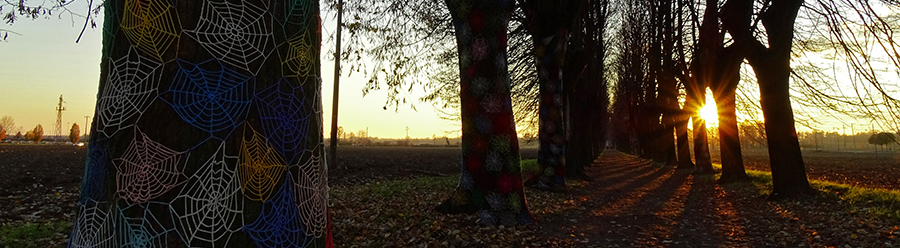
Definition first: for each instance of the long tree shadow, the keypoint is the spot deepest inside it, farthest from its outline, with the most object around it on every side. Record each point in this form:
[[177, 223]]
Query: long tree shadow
[[622, 202], [708, 219]]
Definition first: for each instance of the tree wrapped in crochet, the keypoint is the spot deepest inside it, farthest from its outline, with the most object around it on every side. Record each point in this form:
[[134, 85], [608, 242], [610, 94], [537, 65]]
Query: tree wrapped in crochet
[[207, 129]]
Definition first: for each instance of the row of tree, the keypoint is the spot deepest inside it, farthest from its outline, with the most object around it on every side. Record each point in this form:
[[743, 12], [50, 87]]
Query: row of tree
[[8, 125], [493, 58], [664, 57], [711, 42], [37, 134]]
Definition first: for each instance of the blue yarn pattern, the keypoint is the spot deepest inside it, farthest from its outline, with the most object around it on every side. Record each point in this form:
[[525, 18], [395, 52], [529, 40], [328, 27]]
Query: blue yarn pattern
[[213, 100], [278, 224], [285, 118]]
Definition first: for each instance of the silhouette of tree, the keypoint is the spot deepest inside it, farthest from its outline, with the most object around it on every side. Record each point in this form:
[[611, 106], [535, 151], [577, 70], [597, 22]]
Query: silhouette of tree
[[8, 123], [29, 135], [37, 133], [882, 139], [12, 11], [772, 65], [74, 133]]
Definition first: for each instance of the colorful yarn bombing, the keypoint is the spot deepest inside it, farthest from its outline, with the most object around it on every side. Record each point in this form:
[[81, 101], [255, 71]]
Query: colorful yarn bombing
[[204, 138], [490, 184]]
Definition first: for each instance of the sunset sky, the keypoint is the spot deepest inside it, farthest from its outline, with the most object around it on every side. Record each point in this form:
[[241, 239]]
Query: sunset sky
[[45, 62], [42, 62]]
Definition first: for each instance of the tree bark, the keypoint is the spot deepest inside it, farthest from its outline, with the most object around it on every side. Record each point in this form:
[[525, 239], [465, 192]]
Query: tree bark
[[724, 90], [549, 23], [701, 141], [729, 139], [196, 145], [704, 69], [490, 184], [684, 146]]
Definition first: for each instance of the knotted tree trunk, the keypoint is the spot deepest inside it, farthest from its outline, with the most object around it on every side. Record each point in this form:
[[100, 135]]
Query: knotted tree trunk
[[208, 128], [491, 180]]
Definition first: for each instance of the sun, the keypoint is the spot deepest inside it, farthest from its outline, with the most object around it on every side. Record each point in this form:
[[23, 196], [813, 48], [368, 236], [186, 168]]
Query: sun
[[709, 113]]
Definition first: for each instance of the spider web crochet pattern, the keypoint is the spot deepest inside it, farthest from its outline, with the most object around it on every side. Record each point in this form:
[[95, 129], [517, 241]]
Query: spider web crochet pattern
[[312, 196], [259, 168], [212, 202], [297, 13], [143, 231], [151, 26], [215, 101], [284, 118], [146, 170], [94, 227], [300, 58], [278, 224], [129, 89], [239, 34]]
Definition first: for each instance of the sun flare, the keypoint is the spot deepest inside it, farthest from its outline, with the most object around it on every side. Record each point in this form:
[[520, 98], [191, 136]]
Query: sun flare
[[709, 113]]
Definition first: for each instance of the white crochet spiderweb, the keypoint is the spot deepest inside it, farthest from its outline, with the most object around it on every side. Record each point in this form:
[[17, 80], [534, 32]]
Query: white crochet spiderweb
[[239, 34], [129, 89], [94, 227], [312, 196], [211, 202], [143, 230], [212, 100], [146, 170]]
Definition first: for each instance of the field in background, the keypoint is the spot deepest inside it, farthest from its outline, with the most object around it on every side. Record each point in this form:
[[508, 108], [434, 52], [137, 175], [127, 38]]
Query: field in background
[[858, 168]]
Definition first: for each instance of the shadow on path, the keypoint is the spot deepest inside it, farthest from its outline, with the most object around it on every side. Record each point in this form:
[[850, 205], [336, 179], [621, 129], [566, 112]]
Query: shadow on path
[[633, 203]]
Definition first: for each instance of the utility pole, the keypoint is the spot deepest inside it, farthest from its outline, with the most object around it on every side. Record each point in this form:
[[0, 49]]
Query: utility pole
[[86, 117], [59, 110], [837, 138], [337, 84], [816, 138]]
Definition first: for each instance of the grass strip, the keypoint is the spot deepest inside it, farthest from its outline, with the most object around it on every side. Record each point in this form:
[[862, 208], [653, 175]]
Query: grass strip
[[31, 234], [883, 203]]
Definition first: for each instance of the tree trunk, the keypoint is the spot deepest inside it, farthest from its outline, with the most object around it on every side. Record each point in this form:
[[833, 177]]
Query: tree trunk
[[668, 94], [729, 139], [788, 171], [549, 23], [701, 142], [773, 67], [552, 151], [684, 146], [490, 184], [194, 144], [704, 68]]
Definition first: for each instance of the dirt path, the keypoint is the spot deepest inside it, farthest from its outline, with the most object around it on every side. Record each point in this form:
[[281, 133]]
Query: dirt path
[[634, 203]]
